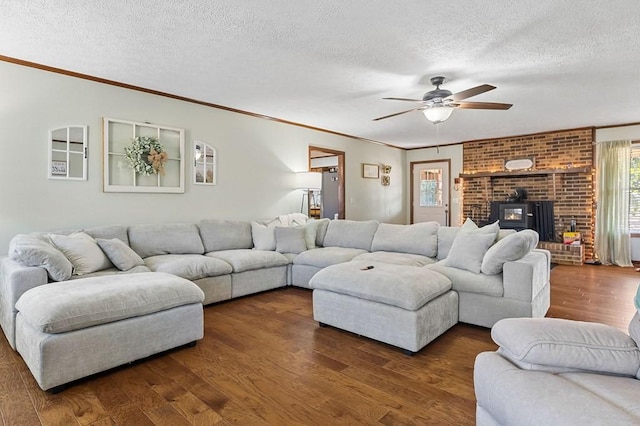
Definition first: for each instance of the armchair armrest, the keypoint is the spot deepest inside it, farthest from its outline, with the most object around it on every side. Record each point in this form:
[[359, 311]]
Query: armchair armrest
[[524, 278], [559, 346]]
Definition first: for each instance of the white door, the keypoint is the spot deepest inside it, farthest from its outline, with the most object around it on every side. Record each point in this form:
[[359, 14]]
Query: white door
[[430, 192]]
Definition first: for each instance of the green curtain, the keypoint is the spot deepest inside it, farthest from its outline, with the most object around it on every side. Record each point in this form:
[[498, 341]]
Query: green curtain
[[613, 239]]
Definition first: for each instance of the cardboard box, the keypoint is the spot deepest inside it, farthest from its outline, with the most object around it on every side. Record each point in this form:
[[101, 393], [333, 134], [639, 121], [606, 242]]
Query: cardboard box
[[572, 238]]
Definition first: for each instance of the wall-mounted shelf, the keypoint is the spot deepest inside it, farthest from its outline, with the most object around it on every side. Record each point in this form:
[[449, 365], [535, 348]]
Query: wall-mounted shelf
[[526, 172]]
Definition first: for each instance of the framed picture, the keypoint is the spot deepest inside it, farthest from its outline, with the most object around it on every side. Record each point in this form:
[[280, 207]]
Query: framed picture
[[370, 171], [386, 180], [58, 168]]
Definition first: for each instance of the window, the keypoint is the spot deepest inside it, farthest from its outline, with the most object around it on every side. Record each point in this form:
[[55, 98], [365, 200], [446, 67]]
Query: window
[[431, 188], [634, 189]]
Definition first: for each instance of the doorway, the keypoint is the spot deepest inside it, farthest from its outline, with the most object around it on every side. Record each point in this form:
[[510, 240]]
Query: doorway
[[328, 202], [430, 195]]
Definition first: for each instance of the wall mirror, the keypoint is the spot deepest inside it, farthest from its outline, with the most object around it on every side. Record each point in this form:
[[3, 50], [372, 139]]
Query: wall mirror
[[68, 153], [204, 163]]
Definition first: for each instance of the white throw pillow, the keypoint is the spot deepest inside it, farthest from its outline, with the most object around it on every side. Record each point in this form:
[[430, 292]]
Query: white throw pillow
[[310, 230], [469, 227], [82, 251], [120, 254], [264, 237], [468, 250]]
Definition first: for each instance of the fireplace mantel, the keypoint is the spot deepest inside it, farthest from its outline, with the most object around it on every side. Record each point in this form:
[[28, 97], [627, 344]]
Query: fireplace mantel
[[526, 172]]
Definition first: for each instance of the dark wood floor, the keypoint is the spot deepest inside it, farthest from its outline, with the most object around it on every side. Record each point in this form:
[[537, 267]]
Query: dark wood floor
[[265, 361]]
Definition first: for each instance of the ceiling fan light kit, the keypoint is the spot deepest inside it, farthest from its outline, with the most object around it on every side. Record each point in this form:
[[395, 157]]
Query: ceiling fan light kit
[[438, 114], [438, 104]]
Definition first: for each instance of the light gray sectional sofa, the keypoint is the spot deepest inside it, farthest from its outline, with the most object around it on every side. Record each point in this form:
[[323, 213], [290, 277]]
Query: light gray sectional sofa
[[228, 259], [550, 371]]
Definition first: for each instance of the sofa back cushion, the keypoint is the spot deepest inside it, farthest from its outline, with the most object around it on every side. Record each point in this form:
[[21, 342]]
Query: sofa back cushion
[[170, 238], [350, 234], [108, 232], [225, 235], [419, 238], [446, 235]]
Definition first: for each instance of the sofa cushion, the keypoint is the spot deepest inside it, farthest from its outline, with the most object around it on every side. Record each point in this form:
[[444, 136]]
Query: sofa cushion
[[36, 250], [109, 232], [225, 235], [120, 254], [290, 239], [395, 258], [513, 247], [189, 266], [419, 238], [351, 234], [246, 260], [446, 236], [619, 391], [559, 345], [82, 303], [263, 235], [470, 282], [468, 250], [406, 287], [325, 256], [170, 238], [83, 252]]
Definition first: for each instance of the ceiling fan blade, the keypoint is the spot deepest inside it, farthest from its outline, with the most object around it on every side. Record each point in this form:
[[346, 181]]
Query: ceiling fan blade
[[481, 105], [471, 92], [404, 99], [397, 113]]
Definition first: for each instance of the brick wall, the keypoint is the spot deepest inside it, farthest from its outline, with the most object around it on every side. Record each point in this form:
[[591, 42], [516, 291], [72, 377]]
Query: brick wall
[[572, 192]]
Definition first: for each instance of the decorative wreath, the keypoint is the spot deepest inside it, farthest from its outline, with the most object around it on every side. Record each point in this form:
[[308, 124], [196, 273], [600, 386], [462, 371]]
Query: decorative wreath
[[146, 156]]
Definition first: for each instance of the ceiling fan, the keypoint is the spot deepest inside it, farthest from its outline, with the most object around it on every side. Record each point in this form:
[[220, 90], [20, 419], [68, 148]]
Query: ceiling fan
[[438, 104]]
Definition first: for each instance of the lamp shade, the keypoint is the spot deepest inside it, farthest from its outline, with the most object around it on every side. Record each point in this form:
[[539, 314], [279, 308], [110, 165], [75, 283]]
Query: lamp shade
[[309, 180], [438, 114]]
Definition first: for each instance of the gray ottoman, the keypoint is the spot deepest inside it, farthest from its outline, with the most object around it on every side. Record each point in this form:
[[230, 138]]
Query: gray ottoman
[[72, 329], [404, 306]]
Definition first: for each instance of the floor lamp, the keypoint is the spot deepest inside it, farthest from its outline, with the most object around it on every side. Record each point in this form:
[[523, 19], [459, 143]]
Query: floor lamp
[[308, 181]]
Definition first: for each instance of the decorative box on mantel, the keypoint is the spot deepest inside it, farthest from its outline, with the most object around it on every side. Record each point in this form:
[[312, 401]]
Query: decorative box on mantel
[[564, 254]]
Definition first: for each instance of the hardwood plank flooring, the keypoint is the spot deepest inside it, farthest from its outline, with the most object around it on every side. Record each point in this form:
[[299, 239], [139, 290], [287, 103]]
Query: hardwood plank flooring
[[265, 361]]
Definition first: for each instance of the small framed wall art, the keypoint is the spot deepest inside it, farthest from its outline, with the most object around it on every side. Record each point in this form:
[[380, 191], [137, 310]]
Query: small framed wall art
[[370, 171]]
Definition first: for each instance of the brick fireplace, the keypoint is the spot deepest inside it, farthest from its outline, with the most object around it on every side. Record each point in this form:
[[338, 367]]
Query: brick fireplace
[[562, 173]]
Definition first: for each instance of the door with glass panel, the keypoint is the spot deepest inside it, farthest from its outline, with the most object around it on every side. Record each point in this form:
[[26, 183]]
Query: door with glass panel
[[430, 191]]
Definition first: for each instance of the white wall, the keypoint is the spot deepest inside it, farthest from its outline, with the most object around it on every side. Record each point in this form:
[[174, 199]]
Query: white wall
[[449, 152], [257, 159]]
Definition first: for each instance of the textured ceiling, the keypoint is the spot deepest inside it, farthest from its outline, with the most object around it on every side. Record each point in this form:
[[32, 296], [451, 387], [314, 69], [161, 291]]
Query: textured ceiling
[[329, 63]]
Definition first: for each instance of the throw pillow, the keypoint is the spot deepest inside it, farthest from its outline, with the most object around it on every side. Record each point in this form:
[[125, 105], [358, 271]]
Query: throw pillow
[[468, 250], [264, 237], [512, 247], [121, 255], [82, 251], [310, 230], [469, 227], [31, 250], [290, 239]]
